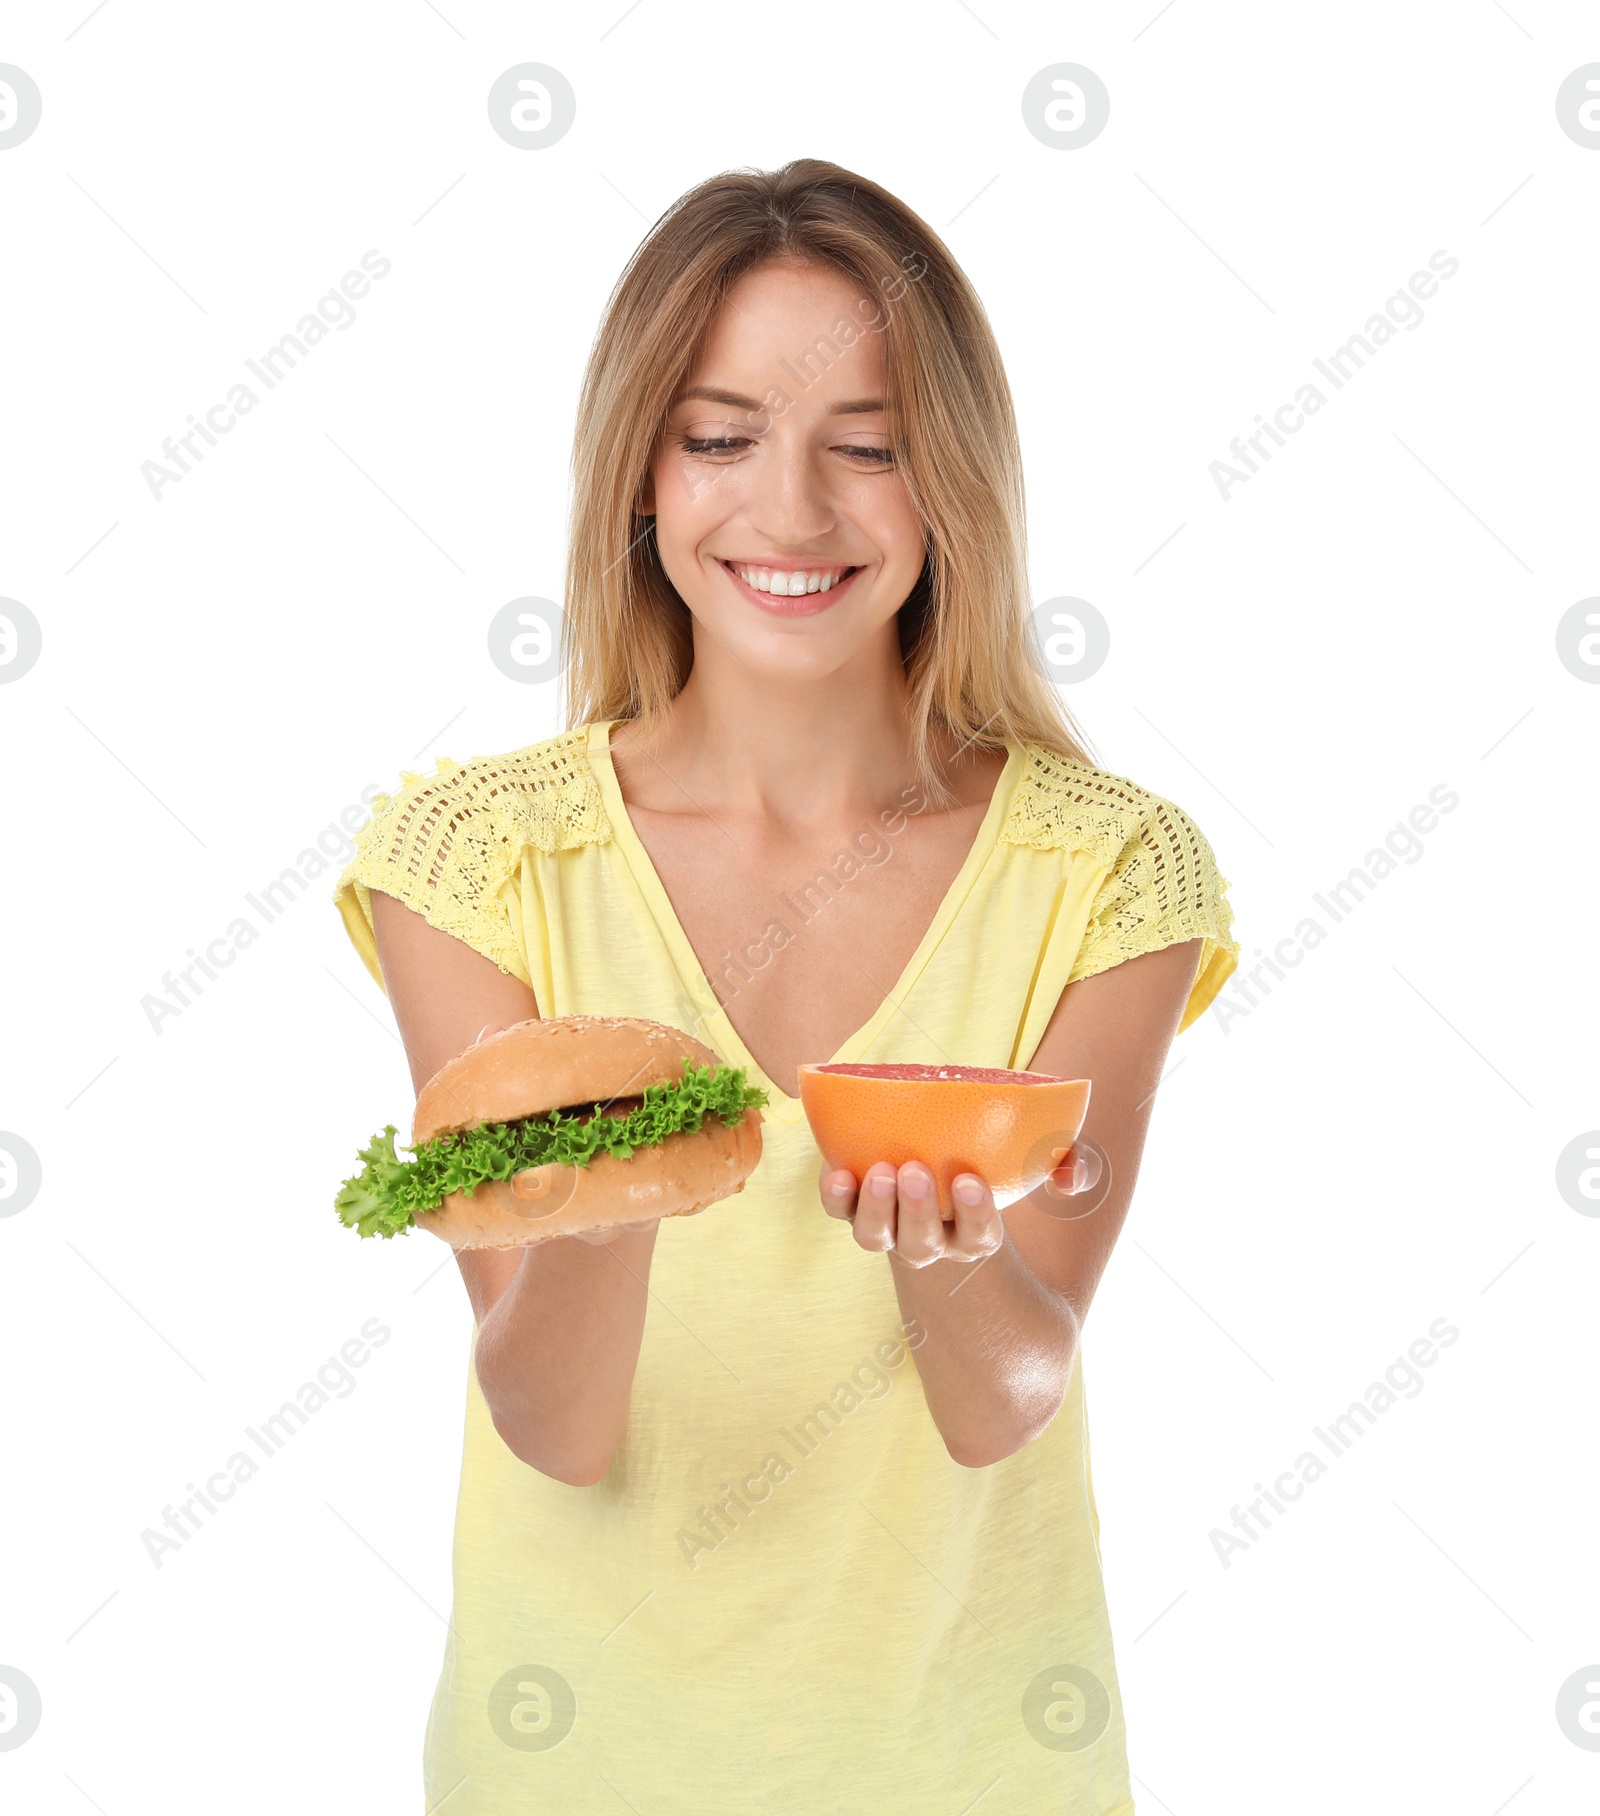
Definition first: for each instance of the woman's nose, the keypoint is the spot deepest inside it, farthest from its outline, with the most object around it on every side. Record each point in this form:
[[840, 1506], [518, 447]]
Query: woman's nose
[[791, 501]]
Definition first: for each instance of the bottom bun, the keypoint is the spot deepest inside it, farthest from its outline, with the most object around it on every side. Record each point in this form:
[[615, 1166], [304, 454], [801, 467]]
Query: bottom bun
[[671, 1178]]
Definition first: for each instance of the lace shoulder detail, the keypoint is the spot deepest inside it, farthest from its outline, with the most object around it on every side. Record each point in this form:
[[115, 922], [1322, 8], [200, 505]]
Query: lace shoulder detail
[[1061, 805], [1162, 884], [445, 844]]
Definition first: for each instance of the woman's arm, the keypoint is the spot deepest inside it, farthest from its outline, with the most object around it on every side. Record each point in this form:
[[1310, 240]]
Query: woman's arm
[[1002, 1321], [560, 1322]]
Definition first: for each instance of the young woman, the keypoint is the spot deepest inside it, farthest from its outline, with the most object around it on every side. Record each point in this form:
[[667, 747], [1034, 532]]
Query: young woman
[[787, 1505]]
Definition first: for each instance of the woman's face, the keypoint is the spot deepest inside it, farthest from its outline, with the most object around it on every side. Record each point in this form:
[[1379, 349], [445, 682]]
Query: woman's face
[[774, 478]]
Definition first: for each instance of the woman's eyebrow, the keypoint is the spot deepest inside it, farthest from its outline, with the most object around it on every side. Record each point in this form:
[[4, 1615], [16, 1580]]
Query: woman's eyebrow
[[855, 406]]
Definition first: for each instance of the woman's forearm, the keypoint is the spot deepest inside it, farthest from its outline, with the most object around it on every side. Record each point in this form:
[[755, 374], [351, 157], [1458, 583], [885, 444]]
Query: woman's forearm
[[998, 1353], [556, 1352]]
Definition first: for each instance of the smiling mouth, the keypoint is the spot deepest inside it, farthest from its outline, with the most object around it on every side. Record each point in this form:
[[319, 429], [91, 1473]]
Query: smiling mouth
[[790, 583]]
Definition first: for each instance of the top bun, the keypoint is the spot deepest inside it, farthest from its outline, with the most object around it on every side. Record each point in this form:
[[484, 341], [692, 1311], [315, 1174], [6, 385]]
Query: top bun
[[537, 1066]]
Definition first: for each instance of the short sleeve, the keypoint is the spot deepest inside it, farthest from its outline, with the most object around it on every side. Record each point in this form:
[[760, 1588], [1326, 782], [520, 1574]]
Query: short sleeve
[[1163, 888], [445, 845]]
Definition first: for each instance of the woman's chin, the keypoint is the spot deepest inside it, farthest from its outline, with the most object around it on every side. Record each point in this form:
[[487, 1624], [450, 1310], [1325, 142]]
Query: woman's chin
[[783, 650], [778, 660]]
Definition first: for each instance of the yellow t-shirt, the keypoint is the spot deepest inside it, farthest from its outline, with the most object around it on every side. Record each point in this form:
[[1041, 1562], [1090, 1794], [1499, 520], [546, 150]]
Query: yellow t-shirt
[[784, 1595]]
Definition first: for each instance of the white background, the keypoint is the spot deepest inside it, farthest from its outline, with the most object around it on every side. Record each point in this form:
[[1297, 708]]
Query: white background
[[1371, 1148]]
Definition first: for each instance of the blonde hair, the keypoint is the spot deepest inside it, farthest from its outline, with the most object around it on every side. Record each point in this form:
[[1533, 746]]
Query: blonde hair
[[966, 632]]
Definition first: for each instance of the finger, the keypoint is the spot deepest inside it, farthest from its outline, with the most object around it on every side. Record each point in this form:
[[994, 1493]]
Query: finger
[[921, 1234], [838, 1193], [979, 1228], [1078, 1170], [1077, 1186], [1061, 1176], [874, 1221], [488, 1029]]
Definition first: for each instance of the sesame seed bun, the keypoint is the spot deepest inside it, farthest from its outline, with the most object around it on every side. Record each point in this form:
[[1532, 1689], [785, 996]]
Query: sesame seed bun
[[538, 1066]]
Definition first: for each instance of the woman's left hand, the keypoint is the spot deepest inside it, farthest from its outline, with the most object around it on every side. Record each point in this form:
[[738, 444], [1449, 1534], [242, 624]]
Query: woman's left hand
[[898, 1209]]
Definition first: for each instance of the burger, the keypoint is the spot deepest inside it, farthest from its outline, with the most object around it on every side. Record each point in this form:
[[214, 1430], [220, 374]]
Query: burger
[[562, 1127]]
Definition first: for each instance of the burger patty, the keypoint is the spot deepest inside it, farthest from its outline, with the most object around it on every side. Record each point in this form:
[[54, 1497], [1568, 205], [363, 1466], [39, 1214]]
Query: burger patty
[[618, 1107]]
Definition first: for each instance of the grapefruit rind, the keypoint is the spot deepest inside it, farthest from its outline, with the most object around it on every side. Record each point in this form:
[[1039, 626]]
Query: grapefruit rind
[[954, 1119]]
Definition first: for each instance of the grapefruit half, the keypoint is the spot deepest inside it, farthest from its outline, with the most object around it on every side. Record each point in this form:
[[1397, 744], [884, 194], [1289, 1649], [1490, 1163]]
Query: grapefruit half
[[1010, 1128]]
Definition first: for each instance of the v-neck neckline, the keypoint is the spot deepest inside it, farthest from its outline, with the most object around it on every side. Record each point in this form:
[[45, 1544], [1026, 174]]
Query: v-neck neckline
[[716, 1028]]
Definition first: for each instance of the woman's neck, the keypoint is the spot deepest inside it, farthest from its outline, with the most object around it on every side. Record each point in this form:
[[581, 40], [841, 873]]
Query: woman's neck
[[809, 753]]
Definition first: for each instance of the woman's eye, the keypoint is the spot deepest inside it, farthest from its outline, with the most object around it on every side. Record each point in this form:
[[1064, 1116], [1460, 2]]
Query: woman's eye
[[729, 444], [712, 444]]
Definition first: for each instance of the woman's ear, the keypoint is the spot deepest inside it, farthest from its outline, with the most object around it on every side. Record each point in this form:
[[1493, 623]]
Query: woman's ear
[[645, 503]]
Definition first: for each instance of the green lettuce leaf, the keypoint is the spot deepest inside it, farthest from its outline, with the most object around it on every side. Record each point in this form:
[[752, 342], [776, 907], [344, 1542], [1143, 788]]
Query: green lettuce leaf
[[382, 1199]]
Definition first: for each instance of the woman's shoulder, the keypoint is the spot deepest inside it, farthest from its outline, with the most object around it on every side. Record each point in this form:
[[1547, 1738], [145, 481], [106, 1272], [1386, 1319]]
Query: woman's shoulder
[[1160, 882], [543, 794], [446, 843], [1063, 803]]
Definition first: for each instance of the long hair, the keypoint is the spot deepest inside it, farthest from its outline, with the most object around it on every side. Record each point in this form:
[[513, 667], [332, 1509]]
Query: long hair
[[966, 633]]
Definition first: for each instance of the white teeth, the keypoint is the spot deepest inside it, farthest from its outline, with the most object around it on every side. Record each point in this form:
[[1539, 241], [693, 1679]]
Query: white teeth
[[790, 585]]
